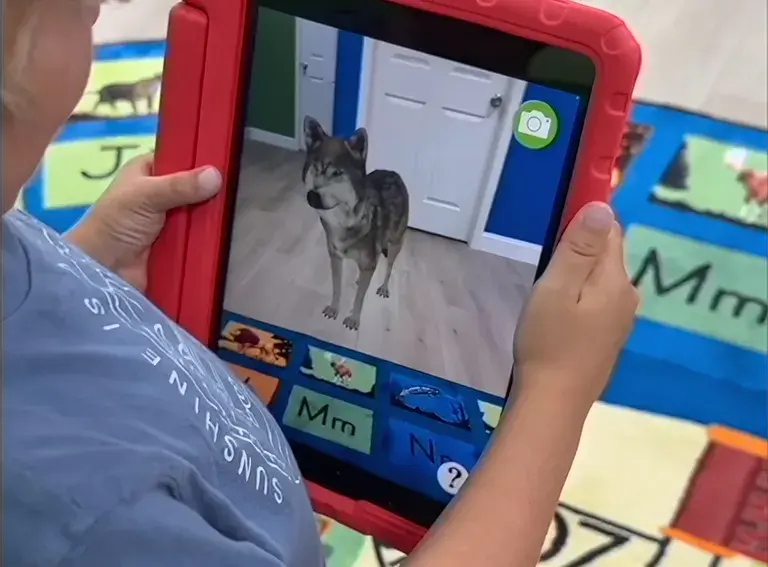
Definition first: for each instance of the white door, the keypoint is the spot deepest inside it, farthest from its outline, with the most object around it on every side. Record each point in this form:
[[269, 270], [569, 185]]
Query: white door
[[435, 122], [317, 72]]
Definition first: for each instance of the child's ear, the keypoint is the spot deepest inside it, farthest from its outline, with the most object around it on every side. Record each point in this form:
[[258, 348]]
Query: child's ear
[[313, 132], [358, 144]]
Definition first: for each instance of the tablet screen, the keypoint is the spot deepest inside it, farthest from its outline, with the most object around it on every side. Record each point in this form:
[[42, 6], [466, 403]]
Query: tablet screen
[[401, 181]]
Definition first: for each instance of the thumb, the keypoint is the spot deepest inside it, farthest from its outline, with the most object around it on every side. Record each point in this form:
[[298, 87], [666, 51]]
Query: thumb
[[166, 192], [580, 248], [610, 266]]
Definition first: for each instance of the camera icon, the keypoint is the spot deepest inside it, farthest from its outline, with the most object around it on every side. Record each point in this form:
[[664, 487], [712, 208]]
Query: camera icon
[[534, 123]]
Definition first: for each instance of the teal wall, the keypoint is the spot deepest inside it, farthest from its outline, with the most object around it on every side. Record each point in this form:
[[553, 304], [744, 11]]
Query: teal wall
[[272, 97]]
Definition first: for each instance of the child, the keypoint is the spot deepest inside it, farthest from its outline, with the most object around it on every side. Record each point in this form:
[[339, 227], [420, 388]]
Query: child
[[121, 431]]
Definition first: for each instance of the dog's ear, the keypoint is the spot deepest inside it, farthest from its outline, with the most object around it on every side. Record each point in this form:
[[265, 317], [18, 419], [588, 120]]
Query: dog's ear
[[358, 144], [313, 132]]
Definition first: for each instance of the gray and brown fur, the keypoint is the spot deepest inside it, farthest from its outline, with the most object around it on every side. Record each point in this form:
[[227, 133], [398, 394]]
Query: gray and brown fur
[[364, 215], [144, 89]]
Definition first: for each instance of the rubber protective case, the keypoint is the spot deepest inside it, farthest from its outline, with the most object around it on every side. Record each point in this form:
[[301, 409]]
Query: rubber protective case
[[206, 70]]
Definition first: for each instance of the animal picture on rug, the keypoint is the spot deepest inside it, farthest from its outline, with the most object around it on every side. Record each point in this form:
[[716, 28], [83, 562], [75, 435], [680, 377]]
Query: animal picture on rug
[[632, 143], [754, 183], [145, 89], [364, 215], [717, 179], [125, 79], [678, 171]]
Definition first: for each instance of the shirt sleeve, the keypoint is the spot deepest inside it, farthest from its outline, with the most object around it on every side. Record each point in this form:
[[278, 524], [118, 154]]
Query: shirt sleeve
[[160, 531]]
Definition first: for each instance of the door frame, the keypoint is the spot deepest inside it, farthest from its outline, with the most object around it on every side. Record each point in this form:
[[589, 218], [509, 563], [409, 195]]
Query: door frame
[[477, 237], [281, 141], [299, 134]]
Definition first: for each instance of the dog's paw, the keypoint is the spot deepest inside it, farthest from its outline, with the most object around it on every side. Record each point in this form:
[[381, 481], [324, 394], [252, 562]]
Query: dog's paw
[[352, 323], [383, 291], [331, 312]]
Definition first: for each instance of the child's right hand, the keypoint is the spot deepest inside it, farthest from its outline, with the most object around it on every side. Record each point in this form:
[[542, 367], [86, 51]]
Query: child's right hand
[[579, 315]]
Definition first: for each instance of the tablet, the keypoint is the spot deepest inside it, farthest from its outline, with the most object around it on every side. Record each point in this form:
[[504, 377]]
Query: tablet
[[396, 176]]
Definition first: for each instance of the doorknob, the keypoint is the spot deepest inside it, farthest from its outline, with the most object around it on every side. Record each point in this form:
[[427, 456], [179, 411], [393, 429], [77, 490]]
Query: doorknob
[[496, 101], [304, 67]]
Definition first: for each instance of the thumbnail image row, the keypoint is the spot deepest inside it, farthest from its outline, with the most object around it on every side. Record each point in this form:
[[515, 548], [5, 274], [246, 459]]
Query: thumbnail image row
[[427, 396]]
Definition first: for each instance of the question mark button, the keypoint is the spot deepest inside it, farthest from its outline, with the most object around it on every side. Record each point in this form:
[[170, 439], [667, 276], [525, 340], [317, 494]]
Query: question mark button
[[451, 477]]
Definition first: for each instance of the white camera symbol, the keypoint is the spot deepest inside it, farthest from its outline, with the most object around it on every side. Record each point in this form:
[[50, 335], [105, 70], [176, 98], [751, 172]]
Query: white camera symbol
[[535, 124]]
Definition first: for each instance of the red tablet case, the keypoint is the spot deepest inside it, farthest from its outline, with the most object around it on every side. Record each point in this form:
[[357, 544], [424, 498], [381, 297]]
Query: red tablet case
[[201, 124]]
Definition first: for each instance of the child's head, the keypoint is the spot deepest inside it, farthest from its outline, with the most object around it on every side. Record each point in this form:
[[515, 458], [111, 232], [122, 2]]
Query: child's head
[[47, 50]]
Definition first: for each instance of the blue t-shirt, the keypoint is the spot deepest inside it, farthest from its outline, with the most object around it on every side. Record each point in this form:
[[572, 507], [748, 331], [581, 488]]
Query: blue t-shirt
[[125, 441]]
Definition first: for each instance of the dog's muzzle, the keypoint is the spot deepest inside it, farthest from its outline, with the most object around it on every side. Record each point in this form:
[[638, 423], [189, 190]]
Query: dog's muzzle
[[314, 200]]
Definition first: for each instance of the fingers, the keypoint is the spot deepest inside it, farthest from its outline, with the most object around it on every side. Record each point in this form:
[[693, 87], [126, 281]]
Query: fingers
[[184, 188], [165, 192], [580, 249], [610, 273], [140, 166], [611, 262], [614, 253]]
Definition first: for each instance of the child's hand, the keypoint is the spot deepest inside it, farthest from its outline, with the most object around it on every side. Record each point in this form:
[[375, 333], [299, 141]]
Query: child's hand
[[119, 230], [580, 313]]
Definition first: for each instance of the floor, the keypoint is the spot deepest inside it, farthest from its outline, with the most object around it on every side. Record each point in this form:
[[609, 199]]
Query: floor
[[702, 55], [134, 20], [449, 322]]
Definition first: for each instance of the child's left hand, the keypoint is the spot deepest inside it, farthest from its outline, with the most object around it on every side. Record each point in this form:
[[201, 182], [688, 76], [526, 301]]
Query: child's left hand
[[120, 228]]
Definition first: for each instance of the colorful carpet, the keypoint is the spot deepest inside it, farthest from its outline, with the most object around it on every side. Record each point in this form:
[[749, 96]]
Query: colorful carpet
[[672, 470]]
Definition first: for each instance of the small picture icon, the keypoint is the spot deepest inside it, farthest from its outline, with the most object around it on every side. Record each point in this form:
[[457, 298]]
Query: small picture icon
[[535, 125]]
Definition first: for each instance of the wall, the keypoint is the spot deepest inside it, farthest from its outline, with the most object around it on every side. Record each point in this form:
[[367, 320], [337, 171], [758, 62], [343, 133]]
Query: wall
[[528, 185], [272, 99], [349, 61], [522, 207]]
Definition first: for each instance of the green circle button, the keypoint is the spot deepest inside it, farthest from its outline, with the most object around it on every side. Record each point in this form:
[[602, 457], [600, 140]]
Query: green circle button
[[535, 125]]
